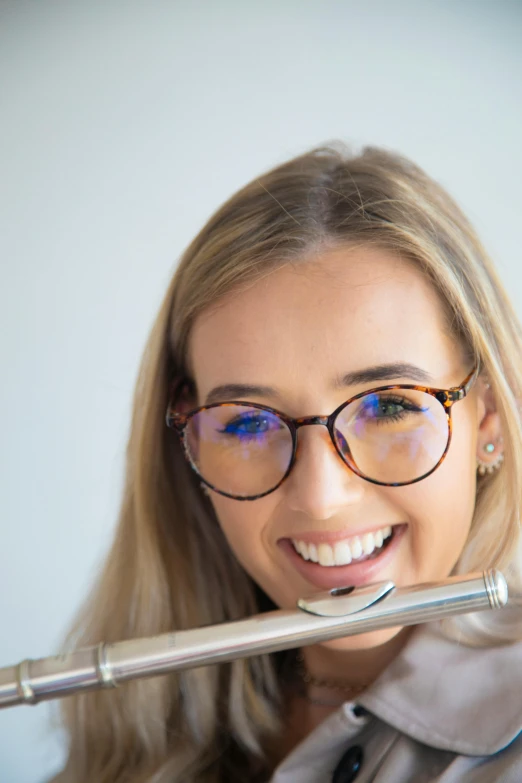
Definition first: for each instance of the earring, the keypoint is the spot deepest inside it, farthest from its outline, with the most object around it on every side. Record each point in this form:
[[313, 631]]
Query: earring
[[204, 489], [489, 467]]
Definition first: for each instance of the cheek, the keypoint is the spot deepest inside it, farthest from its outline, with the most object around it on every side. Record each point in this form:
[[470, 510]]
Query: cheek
[[247, 528], [244, 525], [441, 506]]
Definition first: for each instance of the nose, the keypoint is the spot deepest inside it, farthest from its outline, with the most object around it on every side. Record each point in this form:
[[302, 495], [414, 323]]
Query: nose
[[320, 484]]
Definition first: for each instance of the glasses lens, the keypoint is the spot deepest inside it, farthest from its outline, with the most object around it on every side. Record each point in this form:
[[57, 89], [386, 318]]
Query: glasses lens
[[393, 436], [240, 450]]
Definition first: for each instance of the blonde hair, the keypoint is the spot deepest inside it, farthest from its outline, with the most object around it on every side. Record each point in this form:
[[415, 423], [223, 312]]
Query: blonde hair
[[170, 566]]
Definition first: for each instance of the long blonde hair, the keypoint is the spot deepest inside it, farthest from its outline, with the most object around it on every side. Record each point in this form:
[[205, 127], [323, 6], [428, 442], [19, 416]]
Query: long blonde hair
[[169, 566]]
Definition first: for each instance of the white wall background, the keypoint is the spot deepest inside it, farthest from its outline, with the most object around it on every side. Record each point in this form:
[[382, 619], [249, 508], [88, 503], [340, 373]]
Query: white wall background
[[123, 126]]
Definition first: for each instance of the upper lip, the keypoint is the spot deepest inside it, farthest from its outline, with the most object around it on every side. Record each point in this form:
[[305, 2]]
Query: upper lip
[[331, 537]]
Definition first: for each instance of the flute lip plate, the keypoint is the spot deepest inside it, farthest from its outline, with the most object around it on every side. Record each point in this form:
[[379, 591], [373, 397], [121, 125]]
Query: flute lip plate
[[344, 601]]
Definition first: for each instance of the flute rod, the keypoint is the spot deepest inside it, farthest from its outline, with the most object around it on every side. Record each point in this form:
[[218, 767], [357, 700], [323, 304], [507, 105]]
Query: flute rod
[[329, 615]]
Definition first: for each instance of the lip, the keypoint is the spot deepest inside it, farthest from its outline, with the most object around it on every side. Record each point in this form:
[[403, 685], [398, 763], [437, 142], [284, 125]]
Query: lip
[[355, 574]]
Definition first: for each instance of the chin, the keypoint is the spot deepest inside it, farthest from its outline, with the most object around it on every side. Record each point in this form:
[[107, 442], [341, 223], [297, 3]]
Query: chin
[[363, 641]]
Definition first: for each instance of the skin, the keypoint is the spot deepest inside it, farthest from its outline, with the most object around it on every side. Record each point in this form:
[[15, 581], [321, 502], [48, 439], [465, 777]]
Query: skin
[[297, 331]]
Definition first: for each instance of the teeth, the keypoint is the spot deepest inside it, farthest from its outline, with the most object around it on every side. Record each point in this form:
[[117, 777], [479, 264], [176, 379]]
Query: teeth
[[326, 555], [312, 553], [343, 552], [356, 548], [368, 543]]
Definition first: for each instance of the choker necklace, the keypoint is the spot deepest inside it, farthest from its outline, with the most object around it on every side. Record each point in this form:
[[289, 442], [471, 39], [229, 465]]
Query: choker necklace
[[351, 691]]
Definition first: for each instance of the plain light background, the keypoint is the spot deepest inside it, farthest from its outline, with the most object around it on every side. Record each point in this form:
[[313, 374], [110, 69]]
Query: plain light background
[[123, 126]]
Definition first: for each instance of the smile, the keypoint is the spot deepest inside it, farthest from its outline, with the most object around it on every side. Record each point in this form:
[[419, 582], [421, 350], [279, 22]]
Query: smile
[[348, 550], [351, 560]]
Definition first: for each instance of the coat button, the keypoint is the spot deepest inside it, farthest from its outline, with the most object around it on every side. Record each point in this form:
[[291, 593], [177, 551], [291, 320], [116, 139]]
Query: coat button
[[349, 766]]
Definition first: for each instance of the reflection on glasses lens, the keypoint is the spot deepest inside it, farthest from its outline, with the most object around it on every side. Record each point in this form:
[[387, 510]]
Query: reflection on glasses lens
[[392, 437], [239, 450]]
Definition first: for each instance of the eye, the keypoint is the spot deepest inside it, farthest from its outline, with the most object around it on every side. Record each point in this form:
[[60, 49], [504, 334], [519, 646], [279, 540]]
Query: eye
[[387, 408], [252, 424]]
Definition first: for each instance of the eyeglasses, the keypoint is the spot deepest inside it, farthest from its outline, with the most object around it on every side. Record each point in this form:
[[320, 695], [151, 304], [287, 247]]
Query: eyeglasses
[[391, 435]]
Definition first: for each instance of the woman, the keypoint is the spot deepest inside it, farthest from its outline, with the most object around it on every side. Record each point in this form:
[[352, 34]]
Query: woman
[[310, 290]]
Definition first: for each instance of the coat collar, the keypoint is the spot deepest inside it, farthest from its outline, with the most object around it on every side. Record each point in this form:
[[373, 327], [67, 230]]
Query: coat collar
[[462, 699]]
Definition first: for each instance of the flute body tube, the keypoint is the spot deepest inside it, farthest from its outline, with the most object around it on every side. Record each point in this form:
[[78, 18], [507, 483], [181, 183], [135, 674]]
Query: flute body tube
[[324, 616]]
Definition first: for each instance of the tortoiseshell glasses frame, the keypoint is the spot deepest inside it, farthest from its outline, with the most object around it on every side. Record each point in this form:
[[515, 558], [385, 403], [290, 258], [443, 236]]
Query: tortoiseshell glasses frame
[[446, 397]]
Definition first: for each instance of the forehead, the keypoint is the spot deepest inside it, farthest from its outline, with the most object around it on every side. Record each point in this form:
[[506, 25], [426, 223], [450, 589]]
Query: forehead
[[306, 322]]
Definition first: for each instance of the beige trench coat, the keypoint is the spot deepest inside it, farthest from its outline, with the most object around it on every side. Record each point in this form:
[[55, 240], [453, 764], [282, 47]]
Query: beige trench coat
[[440, 713]]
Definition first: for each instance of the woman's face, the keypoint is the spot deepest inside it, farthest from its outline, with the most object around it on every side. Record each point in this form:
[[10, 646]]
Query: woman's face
[[296, 334]]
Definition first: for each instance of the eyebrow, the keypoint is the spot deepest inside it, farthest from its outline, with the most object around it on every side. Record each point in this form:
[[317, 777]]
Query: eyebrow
[[381, 372], [385, 372]]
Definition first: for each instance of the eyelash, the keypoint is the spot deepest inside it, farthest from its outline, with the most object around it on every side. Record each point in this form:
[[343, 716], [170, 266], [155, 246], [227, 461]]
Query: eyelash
[[408, 406], [245, 420]]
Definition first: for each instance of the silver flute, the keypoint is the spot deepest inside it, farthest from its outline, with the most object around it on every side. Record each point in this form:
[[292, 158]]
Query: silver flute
[[344, 611]]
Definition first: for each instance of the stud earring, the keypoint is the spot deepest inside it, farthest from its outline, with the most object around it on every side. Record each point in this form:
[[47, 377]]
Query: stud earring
[[489, 467], [205, 489]]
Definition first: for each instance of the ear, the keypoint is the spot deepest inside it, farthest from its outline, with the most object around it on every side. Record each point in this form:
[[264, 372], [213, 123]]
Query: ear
[[490, 444], [183, 395]]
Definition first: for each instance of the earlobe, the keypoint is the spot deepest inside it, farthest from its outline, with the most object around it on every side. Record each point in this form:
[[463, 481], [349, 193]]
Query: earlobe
[[496, 458], [490, 446]]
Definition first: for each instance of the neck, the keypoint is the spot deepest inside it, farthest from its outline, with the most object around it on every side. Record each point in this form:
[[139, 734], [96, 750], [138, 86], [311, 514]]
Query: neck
[[355, 668]]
